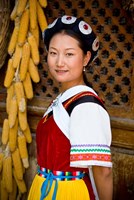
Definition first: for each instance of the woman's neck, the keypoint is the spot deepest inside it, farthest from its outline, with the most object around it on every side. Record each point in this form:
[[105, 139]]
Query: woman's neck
[[64, 87]]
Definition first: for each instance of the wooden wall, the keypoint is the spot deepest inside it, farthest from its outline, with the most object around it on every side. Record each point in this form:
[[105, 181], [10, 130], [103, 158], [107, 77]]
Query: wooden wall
[[111, 75]]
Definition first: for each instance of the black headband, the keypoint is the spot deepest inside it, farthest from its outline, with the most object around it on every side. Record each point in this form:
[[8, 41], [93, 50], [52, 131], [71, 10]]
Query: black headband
[[78, 26]]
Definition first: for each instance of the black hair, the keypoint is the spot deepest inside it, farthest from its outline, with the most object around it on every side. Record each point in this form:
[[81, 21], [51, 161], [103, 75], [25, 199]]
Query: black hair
[[73, 35], [86, 80]]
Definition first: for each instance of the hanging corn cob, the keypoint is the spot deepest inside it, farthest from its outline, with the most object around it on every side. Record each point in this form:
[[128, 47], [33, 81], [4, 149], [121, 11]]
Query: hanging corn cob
[[27, 134], [24, 61], [12, 195], [7, 173], [33, 71], [23, 149], [41, 17], [34, 49], [3, 191], [9, 73], [29, 18], [33, 15], [20, 183], [13, 136], [20, 95], [28, 86], [12, 112], [5, 132], [10, 94], [20, 7], [22, 120], [14, 37], [17, 164], [24, 23], [35, 33], [43, 3], [17, 56]]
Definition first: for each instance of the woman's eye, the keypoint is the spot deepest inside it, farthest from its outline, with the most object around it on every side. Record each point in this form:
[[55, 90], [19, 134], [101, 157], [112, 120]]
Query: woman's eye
[[52, 53], [69, 54]]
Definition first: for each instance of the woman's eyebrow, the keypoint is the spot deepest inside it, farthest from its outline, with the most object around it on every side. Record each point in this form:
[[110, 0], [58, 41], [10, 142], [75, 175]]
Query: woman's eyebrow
[[69, 48]]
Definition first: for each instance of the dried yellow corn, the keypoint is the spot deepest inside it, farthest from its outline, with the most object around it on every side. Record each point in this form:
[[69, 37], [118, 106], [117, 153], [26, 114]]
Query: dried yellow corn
[[9, 73], [24, 61], [35, 33], [12, 112], [7, 173], [3, 177], [22, 104], [17, 164], [13, 194], [22, 145], [28, 134], [13, 14], [17, 56], [5, 132], [41, 18], [23, 30], [34, 49], [19, 91], [3, 191], [43, 3], [21, 7], [33, 13], [33, 71], [13, 136], [23, 120], [25, 162], [10, 94], [28, 88], [20, 183], [13, 40], [1, 160]]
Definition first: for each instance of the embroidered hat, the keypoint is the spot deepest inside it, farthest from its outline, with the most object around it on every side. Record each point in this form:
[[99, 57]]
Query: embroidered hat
[[79, 27]]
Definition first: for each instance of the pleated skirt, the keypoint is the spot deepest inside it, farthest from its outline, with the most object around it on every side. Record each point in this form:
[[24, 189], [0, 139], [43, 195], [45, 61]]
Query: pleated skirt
[[67, 190]]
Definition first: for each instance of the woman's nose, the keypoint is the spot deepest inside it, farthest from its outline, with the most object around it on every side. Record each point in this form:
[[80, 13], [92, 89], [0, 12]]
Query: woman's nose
[[60, 61]]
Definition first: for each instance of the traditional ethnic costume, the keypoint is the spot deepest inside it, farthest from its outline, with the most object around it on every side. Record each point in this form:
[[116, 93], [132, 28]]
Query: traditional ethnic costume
[[73, 135]]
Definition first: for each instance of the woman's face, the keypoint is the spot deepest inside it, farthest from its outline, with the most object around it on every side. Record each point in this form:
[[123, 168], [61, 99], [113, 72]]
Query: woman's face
[[66, 60]]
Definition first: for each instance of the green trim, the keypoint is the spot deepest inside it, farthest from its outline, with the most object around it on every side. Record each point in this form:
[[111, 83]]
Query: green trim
[[90, 150]]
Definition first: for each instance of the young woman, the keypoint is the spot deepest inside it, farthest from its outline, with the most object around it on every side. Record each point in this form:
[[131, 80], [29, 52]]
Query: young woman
[[74, 135]]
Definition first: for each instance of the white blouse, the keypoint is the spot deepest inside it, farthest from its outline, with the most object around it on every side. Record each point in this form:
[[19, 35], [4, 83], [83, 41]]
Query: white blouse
[[90, 136]]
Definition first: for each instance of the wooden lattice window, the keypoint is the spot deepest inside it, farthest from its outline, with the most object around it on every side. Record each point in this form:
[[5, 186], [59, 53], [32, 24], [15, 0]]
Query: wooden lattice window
[[111, 74]]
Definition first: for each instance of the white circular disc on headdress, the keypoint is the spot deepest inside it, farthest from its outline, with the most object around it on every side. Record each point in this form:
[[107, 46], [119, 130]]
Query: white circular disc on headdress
[[68, 19], [95, 44], [52, 24], [85, 28]]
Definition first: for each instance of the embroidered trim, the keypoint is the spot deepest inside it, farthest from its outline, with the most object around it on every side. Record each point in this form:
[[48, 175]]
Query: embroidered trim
[[90, 150], [77, 96], [45, 118], [89, 156]]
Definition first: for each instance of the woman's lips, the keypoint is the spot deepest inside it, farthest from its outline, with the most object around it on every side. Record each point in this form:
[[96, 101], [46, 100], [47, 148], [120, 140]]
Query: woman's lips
[[61, 71]]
